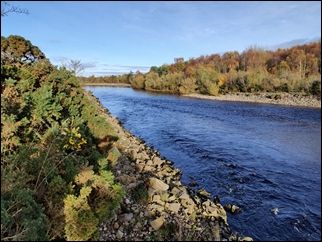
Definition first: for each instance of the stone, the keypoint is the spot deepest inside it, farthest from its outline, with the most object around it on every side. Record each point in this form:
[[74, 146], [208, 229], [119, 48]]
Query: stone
[[157, 223], [157, 199], [171, 198], [116, 225], [148, 168], [235, 209], [158, 184], [132, 185], [126, 217], [246, 239], [275, 211], [232, 208], [215, 210], [216, 232], [184, 196], [173, 207], [204, 193], [126, 179], [119, 234], [157, 161], [140, 166]]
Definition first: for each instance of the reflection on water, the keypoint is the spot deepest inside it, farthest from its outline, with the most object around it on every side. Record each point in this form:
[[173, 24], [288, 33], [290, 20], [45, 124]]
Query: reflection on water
[[258, 156]]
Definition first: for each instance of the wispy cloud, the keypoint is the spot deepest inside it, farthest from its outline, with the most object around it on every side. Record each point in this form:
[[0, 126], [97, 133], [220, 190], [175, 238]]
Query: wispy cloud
[[100, 68]]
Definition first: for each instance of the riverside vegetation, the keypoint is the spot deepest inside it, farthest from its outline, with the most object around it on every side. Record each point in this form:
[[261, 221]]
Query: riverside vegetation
[[295, 70], [69, 170]]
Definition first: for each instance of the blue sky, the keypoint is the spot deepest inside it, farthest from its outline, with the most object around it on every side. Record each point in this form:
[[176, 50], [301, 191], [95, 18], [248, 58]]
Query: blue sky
[[115, 37]]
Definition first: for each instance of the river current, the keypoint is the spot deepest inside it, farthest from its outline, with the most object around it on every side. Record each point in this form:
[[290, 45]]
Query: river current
[[257, 156]]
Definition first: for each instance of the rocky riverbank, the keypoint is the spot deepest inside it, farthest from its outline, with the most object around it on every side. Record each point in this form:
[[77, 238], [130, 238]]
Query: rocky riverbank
[[157, 206], [295, 99]]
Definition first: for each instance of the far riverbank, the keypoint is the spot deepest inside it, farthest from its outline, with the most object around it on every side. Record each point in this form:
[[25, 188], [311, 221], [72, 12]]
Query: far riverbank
[[295, 99], [106, 84], [272, 98]]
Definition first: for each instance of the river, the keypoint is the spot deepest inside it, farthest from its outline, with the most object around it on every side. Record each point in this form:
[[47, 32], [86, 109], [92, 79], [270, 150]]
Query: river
[[256, 156]]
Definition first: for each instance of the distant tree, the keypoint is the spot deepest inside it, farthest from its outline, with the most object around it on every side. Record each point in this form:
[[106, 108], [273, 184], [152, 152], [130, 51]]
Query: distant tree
[[75, 66], [8, 8]]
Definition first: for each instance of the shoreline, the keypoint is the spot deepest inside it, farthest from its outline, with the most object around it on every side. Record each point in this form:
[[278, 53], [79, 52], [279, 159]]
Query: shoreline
[[287, 99], [171, 210], [106, 84], [268, 98]]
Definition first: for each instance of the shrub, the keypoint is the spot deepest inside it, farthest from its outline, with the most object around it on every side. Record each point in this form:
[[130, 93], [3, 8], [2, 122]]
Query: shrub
[[315, 88]]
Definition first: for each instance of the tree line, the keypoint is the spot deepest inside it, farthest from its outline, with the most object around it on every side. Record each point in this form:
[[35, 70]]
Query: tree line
[[296, 69]]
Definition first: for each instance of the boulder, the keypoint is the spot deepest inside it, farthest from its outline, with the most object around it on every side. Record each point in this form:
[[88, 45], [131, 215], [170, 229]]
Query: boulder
[[246, 239], [157, 161], [204, 193], [233, 209], [157, 199], [157, 223], [158, 185], [173, 207]]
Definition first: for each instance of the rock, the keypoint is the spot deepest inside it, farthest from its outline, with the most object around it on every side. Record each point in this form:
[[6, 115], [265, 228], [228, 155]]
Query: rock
[[158, 184], [140, 166], [153, 208], [193, 184], [126, 217], [184, 196], [216, 200], [233, 209], [151, 192], [175, 191], [132, 185], [113, 155], [171, 198], [148, 168], [116, 225], [157, 223], [214, 210], [245, 239], [173, 207], [274, 210], [149, 163], [126, 179], [216, 232], [157, 199], [157, 161], [164, 196], [204, 193], [119, 234]]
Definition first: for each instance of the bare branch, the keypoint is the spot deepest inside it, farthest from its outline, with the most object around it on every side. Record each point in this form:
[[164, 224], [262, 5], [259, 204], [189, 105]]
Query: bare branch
[[75, 66], [8, 8]]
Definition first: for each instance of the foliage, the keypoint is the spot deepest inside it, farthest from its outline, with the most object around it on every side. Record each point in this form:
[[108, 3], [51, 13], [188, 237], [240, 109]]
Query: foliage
[[253, 70], [49, 133]]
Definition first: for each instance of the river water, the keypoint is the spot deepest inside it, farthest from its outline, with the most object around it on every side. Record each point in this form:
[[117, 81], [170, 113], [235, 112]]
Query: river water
[[257, 156]]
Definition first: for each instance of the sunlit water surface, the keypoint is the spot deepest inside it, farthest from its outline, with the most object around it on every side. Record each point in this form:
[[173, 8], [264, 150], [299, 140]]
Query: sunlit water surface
[[257, 156]]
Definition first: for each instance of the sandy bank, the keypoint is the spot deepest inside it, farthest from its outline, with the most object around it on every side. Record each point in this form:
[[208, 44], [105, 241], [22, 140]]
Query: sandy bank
[[107, 84], [271, 98]]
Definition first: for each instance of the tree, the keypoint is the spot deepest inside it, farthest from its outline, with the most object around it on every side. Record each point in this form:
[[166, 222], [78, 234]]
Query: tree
[[75, 66], [17, 50], [8, 8]]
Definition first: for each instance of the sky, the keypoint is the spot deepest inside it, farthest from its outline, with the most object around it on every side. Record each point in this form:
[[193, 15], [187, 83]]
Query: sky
[[118, 37]]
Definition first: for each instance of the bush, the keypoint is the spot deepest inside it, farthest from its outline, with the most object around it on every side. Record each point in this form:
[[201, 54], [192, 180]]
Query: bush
[[315, 88], [49, 129]]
